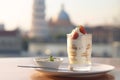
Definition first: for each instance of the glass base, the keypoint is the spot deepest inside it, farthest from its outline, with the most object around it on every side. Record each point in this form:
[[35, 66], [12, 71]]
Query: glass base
[[75, 67]]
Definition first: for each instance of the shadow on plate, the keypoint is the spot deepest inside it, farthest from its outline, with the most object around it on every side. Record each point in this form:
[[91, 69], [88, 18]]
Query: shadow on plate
[[38, 76]]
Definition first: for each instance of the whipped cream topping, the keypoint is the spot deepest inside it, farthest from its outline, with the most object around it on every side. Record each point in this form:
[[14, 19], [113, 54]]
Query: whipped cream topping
[[78, 32]]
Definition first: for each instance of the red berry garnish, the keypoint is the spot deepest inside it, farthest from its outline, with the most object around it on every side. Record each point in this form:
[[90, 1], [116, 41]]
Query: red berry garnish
[[82, 30], [75, 35]]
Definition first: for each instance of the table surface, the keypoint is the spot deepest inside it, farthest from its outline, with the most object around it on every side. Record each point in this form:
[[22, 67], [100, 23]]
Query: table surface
[[10, 71]]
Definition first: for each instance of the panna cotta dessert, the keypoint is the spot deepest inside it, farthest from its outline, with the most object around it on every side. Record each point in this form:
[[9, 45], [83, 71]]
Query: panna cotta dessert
[[51, 62]]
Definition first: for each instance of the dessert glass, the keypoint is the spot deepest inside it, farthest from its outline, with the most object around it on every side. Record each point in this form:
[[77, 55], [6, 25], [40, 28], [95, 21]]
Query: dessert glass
[[79, 52]]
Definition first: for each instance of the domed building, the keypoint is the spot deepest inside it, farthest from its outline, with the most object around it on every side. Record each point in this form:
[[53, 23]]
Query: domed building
[[62, 25]]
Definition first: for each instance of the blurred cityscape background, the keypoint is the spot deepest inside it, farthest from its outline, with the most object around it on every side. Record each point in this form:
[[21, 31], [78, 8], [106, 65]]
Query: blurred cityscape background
[[48, 22]]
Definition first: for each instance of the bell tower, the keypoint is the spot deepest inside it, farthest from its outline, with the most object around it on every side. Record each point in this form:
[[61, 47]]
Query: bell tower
[[39, 28]]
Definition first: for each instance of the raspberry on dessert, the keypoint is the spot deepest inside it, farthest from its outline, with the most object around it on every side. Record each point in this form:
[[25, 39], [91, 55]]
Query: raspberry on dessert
[[82, 29], [75, 35]]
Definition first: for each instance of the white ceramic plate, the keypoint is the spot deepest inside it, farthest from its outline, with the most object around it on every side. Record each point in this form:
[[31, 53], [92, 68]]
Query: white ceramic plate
[[96, 69]]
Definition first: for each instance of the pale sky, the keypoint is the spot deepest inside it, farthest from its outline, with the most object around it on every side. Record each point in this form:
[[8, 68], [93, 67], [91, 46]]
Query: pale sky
[[15, 13]]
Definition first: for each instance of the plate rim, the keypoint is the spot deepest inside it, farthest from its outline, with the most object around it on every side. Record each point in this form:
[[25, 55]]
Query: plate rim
[[59, 72]]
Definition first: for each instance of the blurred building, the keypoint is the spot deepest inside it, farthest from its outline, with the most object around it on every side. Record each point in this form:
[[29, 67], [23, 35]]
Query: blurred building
[[39, 28], [10, 41], [1, 26], [62, 25], [101, 34], [116, 49], [104, 34]]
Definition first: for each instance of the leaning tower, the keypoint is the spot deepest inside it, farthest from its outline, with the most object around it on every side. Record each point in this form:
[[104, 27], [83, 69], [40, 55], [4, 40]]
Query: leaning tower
[[39, 28]]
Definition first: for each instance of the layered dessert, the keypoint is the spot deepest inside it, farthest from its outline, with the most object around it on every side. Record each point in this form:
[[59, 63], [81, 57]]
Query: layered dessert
[[79, 46]]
